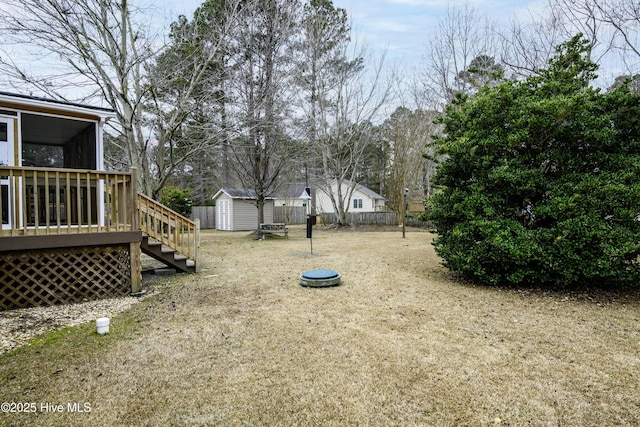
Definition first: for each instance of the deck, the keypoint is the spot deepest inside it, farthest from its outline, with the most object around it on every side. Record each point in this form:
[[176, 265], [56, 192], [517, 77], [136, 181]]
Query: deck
[[74, 227]]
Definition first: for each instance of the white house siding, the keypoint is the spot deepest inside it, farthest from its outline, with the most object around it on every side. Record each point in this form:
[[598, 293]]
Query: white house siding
[[245, 215], [290, 202], [369, 204]]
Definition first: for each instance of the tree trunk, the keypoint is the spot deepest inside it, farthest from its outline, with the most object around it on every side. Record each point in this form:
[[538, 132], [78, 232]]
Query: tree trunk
[[260, 205]]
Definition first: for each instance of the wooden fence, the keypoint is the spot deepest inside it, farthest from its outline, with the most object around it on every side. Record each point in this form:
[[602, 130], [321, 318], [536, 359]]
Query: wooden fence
[[376, 218], [298, 215], [206, 215], [290, 214], [362, 218]]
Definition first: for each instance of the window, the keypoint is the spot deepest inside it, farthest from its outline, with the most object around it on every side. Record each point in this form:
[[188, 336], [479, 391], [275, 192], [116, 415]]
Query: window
[[4, 144], [357, 203]]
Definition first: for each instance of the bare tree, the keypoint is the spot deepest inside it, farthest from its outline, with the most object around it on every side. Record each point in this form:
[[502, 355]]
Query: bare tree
[[338, 100], [260, 91], [528, 45], [406, 134], [319, 52], [585, 17], [346, 125], [102, 49], [185, 96], [461, 37], [611, 26], [612, 23]]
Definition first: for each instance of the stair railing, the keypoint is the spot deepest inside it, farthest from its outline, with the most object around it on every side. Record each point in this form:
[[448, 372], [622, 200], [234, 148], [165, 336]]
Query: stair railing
[[169, 227]]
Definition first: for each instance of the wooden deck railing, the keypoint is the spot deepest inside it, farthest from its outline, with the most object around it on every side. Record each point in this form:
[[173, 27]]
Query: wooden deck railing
[[169, 227], [45, 201], [49, 201]]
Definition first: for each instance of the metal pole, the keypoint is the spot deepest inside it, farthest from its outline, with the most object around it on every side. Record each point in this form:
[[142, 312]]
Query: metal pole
[[404, 214], [404, 211]]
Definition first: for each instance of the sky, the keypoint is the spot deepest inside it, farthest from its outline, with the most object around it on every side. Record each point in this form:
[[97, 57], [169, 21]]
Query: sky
[[401, 28]]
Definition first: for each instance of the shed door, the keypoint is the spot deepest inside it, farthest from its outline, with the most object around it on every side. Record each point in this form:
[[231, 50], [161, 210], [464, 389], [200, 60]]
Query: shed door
[[6, 159], [225, 214]]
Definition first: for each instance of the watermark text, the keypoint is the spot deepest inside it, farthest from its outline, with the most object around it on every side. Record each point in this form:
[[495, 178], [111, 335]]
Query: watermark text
[[44, 407]]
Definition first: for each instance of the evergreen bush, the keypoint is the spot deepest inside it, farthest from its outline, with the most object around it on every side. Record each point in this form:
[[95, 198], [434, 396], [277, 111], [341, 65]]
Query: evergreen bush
[[540, 182], [177, 200]]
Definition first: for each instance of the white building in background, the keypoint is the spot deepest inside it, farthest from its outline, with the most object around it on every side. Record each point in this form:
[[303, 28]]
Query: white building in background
[[362, 198]]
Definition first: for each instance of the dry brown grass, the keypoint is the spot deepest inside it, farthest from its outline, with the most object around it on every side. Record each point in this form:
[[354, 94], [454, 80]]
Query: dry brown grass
[[399, 343]]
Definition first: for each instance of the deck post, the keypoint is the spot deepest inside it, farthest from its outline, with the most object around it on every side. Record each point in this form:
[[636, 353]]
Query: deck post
[[134, 247], [136, 267], [133, 204]]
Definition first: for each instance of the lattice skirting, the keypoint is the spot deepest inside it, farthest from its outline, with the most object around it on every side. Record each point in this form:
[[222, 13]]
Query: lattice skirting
[[59, 276]]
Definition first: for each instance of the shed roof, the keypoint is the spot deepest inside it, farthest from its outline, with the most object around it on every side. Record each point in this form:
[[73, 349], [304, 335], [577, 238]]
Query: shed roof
[[369, 192], [239, 193]]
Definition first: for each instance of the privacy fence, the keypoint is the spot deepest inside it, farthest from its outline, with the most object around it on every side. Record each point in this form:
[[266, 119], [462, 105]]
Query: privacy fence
[[362, 218], [290, 215], [206, 215], [298, 215]]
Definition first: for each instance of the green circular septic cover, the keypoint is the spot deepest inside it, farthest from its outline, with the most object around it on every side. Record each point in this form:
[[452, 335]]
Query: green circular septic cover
[[319, 278]]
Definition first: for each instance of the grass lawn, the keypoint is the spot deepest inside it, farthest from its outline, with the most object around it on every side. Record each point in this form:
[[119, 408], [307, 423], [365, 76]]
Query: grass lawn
[[400, 342]]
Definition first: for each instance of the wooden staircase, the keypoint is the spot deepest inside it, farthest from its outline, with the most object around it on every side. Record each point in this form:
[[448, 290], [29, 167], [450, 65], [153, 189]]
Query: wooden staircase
[[167, 255], [168, 236]]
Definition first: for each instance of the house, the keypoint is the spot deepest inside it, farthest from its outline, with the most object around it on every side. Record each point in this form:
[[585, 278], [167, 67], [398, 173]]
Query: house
[[236, 210], [362, 198], [72, 231], [293, 196], [294, 202]]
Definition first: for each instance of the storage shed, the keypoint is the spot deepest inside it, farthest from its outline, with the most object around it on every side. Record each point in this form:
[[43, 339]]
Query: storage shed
[[236, 210]]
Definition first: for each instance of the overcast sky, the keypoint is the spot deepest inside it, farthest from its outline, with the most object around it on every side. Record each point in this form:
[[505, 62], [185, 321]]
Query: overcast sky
[[402, 27]]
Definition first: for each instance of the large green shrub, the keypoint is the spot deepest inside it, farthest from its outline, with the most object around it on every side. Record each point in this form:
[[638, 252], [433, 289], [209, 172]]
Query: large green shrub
[[541, 182], [177, 200]]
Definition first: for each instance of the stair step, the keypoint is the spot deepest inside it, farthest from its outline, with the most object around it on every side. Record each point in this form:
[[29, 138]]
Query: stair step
[[167, 255], [152, 239]]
